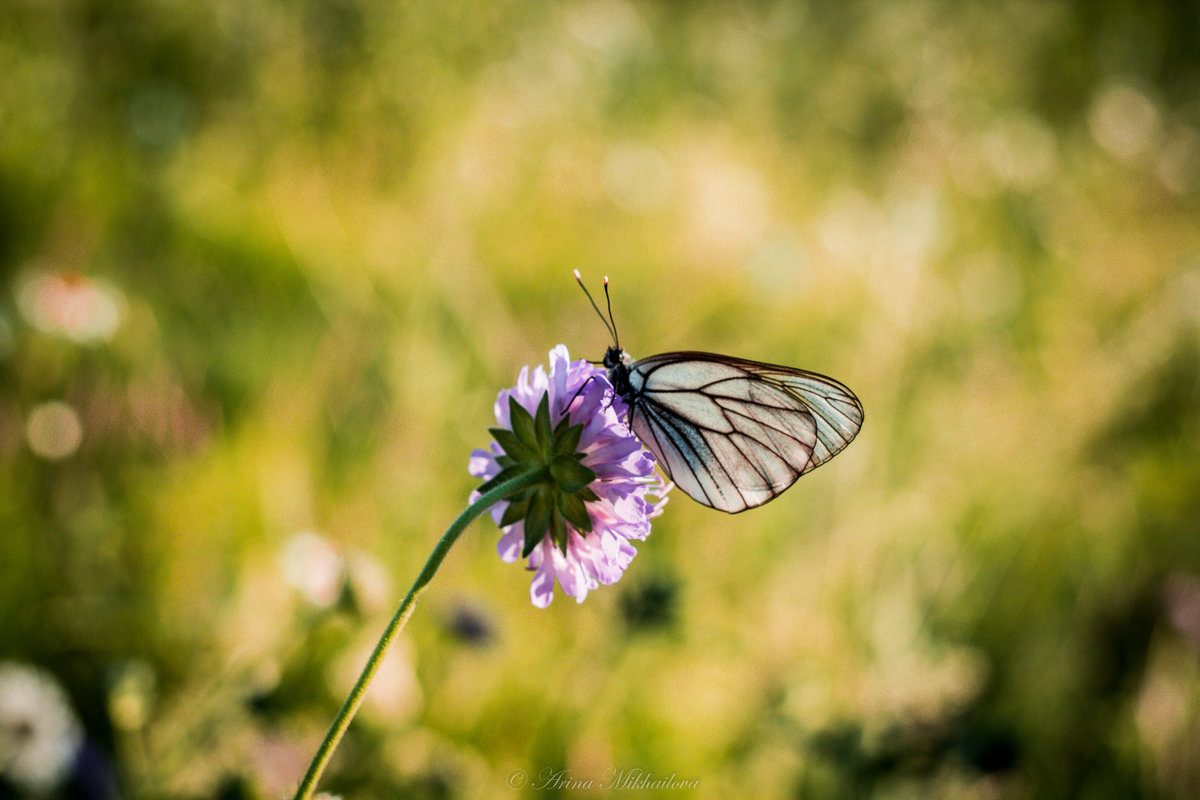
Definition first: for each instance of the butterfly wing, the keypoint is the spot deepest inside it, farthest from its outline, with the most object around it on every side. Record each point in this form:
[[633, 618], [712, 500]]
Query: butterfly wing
[[732, 433]]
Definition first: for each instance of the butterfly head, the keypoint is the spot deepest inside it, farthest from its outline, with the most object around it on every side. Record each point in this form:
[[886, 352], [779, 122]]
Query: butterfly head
[[614, 357]]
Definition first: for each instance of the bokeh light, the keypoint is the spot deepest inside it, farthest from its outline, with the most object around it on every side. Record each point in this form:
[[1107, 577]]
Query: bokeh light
[[54, 430]]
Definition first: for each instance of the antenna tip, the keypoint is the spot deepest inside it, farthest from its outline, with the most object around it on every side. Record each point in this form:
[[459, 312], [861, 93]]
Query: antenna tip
[[606, 280], [578, 277]]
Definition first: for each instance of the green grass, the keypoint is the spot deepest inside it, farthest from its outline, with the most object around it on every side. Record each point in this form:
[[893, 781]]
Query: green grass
[[338, 228]]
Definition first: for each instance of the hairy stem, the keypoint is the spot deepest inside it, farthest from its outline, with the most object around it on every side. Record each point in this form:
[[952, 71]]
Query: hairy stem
[[342, 721]]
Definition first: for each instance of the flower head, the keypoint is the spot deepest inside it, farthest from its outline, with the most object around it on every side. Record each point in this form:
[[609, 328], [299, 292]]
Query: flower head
[[577, 525]]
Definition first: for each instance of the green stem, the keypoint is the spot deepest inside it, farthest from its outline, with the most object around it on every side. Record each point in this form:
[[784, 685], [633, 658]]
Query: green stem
[[342, 721]]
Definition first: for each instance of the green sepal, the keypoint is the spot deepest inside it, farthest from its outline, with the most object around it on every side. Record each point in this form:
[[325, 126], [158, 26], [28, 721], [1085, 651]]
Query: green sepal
[[523, 496], [569, 474], [559, 502], [541, 426], [521, 422], [572, 507], [516, 511], [537, 520], [566, 440], [558, 531], [561, 426], [506, 474], [513, 445]]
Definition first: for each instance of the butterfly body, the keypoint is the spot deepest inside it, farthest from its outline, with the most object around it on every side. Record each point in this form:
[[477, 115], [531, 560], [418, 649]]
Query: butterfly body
[[618, 364], [733, 433]]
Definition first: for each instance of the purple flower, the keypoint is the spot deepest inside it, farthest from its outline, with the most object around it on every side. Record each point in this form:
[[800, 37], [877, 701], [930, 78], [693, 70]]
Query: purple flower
[[578, 524]]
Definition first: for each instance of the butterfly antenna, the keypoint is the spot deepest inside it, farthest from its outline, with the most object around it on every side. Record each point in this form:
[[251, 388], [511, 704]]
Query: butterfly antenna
[[608, 301], [611, 330]]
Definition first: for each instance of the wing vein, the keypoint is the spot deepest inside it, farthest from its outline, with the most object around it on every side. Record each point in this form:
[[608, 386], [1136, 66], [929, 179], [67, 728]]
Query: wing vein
[[734, 433]]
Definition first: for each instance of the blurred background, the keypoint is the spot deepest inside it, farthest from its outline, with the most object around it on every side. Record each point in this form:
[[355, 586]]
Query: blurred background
[[264, 266]]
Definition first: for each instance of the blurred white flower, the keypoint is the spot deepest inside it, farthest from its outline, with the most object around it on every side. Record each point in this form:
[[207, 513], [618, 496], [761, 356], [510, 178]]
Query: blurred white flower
[[40, 736], [1124, 121], [313, 566], [67, 303], [53, 430], [395, 694], [369, 580], [915, 677], [1165, 710], [276, 762], [319, 569]]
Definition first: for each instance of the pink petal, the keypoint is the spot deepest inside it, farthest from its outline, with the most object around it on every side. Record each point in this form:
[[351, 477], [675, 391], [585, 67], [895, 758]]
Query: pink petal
[[481, 462], [509, 546], [541, 589]]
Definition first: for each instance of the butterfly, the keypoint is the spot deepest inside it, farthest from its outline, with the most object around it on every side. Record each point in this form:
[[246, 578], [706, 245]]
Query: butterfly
[[731, 433]]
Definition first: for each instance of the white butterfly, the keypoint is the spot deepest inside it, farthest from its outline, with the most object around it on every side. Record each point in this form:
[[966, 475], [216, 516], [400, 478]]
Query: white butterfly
[[731, 433]]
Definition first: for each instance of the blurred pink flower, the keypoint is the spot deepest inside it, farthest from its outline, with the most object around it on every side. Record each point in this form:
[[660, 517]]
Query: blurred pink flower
[[313, 566], [1182, 595], [67, 303]]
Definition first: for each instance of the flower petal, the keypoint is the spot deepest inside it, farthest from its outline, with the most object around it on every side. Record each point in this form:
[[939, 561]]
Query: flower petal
[[510, 544], [482, 464], [541, 589]]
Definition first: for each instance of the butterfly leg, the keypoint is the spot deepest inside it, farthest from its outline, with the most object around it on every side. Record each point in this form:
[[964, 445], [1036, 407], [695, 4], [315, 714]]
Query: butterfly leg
[[579, 391]]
